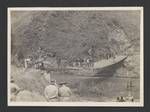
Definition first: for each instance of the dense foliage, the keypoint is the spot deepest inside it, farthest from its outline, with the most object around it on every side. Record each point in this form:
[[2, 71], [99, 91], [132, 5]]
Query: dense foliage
[[72, 33]]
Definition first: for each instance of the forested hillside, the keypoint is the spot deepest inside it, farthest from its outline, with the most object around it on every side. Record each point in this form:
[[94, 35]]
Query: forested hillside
[[72, 33]]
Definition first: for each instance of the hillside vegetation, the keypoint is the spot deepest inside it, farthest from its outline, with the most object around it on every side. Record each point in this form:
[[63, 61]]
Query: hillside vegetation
[[72, 33]]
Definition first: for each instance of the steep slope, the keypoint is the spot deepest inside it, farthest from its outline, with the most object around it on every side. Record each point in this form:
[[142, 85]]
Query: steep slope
[[72, 33]]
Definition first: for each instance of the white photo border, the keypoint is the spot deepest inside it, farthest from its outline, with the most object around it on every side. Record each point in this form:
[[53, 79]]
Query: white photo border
[[78, 104]]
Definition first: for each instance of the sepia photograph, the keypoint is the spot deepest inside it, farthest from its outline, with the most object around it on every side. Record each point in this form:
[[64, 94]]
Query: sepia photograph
[[75, 56]]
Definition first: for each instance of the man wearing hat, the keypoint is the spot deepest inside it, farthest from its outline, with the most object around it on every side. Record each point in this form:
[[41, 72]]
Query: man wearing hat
[[14, 90], [51, 92], [64, 92], [46, 76]]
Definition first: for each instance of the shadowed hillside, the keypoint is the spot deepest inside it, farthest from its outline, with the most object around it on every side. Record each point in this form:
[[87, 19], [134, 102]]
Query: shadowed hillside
[[72, 33]]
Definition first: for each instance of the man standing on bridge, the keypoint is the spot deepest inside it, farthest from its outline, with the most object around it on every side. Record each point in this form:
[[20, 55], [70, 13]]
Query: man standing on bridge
[[91, 53]]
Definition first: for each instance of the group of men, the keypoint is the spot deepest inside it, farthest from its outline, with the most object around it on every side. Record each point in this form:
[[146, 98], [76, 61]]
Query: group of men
[[54, 92], [86, 62]]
